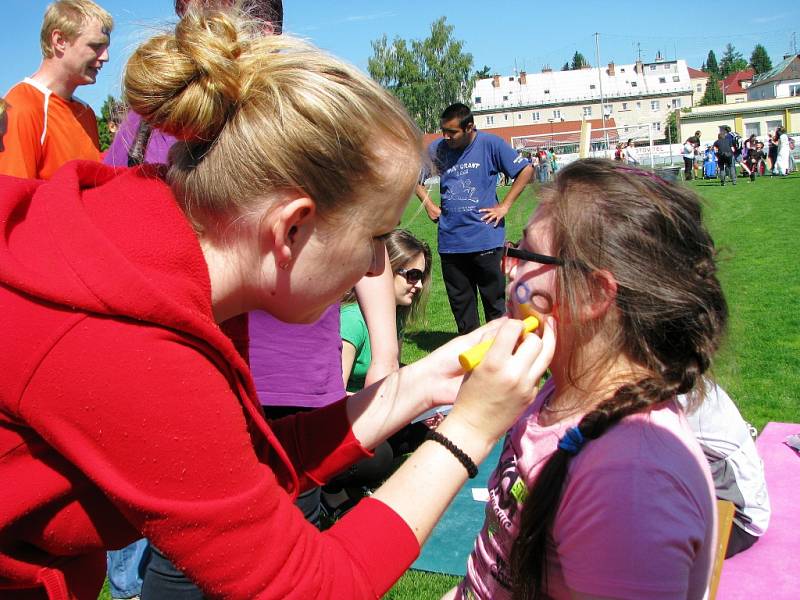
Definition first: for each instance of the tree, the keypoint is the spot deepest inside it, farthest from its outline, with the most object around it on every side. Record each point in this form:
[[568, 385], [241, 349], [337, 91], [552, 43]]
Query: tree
[[565, 67], [759, 60], [732, 61], [426, 75], [713, 93], [484, 73], [578, 61], [111, 109], [711, 64], [671, 127]]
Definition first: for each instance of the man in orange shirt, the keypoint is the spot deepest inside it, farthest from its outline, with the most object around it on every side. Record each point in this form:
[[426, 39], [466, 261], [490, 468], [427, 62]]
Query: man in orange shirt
[[47, 125]]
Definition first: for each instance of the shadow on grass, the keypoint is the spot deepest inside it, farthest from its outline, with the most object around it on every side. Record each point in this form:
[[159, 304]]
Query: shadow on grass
[[430, 340]]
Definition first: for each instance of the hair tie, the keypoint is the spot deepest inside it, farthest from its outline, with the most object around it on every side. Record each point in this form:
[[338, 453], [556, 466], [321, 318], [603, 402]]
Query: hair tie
[[572, 442]]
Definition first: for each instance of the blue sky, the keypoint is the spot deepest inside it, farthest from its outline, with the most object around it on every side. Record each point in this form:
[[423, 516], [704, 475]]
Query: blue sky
[[500, 34]]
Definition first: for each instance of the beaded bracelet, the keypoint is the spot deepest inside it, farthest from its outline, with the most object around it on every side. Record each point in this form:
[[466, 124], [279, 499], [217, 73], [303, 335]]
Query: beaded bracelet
[[469, 464]]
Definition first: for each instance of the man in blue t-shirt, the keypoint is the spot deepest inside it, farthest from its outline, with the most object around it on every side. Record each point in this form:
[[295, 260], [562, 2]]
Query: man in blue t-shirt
[[471, 218]]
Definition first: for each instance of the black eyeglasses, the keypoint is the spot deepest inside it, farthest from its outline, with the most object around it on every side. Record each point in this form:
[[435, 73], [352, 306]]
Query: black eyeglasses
[[412, 276], [512, 254]]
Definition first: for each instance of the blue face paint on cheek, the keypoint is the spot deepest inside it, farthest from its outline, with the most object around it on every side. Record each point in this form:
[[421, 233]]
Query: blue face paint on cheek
[[522, 293]]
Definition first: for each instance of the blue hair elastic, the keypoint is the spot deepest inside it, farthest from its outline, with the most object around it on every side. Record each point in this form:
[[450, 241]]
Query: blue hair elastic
[[572, 442]]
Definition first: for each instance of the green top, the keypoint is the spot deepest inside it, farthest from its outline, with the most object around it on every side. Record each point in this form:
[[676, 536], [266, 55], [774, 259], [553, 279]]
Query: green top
[[353, 329]]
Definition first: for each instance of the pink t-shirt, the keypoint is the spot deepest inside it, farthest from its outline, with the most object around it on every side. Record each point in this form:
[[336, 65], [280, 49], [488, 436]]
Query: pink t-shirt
[[636, 518]]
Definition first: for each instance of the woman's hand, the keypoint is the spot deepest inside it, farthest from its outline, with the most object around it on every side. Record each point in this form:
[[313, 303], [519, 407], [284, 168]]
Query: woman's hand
[[503, 385]]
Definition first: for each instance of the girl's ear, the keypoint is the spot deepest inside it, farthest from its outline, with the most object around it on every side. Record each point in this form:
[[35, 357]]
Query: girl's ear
[[603, 292]]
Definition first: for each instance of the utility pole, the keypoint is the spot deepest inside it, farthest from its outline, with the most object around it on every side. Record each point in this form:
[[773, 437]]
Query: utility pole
[[600, 80]]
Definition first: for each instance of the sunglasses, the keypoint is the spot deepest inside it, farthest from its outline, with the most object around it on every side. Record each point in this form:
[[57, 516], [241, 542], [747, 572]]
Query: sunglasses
[[512, 254], [412, 276]]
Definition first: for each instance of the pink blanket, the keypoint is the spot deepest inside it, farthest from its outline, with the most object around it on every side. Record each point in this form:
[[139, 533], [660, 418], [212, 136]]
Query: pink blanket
[[769, 569]]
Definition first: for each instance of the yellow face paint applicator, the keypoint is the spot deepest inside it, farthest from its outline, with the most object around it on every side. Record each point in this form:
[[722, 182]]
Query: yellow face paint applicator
[[471, 358]]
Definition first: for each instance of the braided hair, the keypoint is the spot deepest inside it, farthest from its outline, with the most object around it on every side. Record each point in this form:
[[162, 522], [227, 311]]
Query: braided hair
[[670, 312]]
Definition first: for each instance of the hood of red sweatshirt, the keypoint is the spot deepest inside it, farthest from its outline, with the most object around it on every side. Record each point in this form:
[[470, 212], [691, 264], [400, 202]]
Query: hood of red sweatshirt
[[114, 242]]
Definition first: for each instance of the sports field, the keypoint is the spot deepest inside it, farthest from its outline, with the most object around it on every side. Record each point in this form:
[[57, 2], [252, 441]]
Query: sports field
[[756, 227]]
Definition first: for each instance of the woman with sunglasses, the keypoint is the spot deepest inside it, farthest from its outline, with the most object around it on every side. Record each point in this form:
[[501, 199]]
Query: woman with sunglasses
[[410, 262], [602, 490]]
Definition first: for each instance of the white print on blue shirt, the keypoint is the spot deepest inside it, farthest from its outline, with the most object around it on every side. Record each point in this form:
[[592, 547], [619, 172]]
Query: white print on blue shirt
[[468, 183]]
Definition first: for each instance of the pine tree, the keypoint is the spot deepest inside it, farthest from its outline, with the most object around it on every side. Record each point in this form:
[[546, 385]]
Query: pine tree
[[711, 64], [578, 61], [759, 60], [565, 67], [713, 93], [732, 61]]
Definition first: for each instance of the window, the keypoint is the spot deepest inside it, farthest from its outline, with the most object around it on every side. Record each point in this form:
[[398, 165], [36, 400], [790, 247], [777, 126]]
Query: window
[[622, 70], [592, 86], [638, 105], [676, 78], [656, 126], [505, 117], [477, 99], [740, 100], [505, 98], [794, 90], [624, 106], [490, 120], [556, 114], [608, 109], [634, 84], [752, 129], [511, 79], [655, 104], [535, 115], [587, 111], [676, 103], [519, 116], [662, 80], [699, 87], [773, 125], [652, 67], [547, 91]]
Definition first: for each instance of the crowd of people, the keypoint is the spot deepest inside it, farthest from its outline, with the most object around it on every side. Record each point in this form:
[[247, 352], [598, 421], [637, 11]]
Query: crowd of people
[[729, 151], [206, 324]]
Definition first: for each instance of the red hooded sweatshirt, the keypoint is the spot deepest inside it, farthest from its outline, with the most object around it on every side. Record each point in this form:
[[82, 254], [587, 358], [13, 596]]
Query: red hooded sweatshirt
[[125, 411]]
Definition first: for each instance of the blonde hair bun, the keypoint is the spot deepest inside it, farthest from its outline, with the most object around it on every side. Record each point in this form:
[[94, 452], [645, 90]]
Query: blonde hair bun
[[186, 83]]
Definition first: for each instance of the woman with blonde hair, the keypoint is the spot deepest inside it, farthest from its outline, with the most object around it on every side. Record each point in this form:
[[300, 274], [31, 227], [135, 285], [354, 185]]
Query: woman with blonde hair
[[283, 182]]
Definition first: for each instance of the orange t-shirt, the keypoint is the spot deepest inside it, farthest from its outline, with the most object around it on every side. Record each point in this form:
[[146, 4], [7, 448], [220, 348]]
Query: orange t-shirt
[[45, 131]]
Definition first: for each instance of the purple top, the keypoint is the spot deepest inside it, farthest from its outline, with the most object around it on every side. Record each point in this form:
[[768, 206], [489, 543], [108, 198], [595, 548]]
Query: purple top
[[292, 365], [157, 147]]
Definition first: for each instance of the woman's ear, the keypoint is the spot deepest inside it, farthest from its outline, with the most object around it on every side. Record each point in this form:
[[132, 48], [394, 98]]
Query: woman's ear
[[284, 226], [603, 295]]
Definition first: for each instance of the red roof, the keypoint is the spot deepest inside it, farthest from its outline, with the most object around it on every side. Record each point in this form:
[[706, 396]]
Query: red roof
[[732, 84], [696, 73], [543, 129]]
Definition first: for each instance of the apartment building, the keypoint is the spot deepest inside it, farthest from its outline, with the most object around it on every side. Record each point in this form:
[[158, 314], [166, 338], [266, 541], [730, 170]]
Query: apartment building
[[633, 94]]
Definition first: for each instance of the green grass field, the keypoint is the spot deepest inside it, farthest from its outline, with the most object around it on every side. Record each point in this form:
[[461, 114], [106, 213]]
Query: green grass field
[[755, 227]]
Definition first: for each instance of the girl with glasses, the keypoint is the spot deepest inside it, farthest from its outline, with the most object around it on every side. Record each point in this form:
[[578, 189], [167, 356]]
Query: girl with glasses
[[602, 489]]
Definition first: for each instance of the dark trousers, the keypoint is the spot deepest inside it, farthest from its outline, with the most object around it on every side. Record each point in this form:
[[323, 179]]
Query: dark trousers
[[739, 541], [163, 581], [468, 274], [688, 164], [727, 166]]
